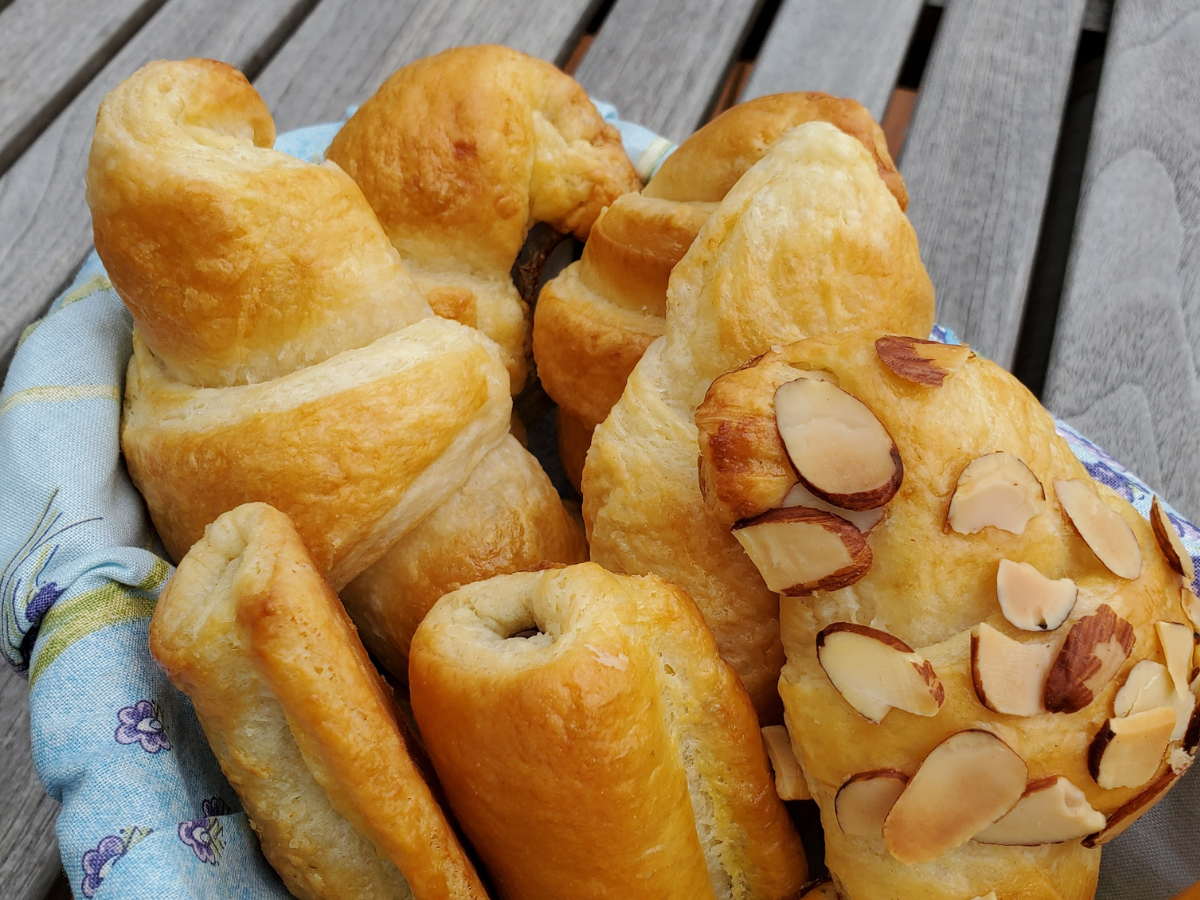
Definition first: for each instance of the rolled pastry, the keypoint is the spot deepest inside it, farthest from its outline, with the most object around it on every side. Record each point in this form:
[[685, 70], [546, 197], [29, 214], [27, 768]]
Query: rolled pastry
[[460, 154], [999, 683], [810, 240], [304, 728], [594, 745], [595, 320]]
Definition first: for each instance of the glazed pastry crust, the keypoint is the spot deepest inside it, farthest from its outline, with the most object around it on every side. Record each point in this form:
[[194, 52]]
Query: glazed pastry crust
[[623, 698], [460, 154], [776, 262], [303, 726]]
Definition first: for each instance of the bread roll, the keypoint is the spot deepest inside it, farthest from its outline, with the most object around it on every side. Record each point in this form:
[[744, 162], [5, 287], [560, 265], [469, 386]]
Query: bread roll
[[460, 154], [611, 753], [987, 634], [595, 320], [304, 728], [810, 240]]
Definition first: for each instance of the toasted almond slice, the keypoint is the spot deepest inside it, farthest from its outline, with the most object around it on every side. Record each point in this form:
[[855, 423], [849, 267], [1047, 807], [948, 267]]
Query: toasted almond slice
[[840, 450], [1051, 810], [922, 362], [1128, 752], [1132, 810], [1191, 736], [995, 490], [1149, 686], [966, 783], [1170, 544], [1178, 643], [1030, 600], [1101, 527], [864, 520], [822, 890], [799, 550], [1191, 606], [863, 802], [876, 671], [1009, 676], [1095, 649], [789, 781]]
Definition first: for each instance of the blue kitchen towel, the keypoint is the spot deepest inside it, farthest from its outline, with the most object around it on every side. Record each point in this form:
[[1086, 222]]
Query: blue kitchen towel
[[146, 811]]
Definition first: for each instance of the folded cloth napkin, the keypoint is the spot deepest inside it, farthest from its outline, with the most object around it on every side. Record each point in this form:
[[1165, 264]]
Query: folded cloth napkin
[[145, 809]]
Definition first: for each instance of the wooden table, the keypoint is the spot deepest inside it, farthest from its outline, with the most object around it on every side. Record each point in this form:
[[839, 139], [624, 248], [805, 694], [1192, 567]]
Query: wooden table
[[1053, 161]]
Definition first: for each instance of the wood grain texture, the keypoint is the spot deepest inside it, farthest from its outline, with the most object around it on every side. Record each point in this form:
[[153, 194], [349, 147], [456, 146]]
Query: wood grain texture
[[1123, 365], [1096, 13], [44, 225], [663, 62], [979, 154], [48, 50], [28, 852], [854, 48], [346, 48]]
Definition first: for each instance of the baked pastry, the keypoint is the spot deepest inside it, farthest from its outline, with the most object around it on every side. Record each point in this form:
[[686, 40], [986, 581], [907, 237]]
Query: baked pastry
[[596, 319], [304, 728], [593, 744], [364, 436], [460, 154], [809, 241], [989, 655]]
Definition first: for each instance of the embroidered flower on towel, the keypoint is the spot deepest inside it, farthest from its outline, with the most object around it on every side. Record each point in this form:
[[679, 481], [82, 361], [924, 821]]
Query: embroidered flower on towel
[[204, 835], [98, 861], [140, 725]]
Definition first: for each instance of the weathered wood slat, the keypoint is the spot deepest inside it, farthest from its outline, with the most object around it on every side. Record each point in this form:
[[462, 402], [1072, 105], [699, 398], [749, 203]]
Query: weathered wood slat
[[1123, 367], [48, 50], [662, 62], [346, 48], [44, 226], [1095, 15], [854, 48], [979, 155]]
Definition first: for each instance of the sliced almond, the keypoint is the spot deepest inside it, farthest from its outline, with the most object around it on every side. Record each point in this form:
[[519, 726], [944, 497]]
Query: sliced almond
[[996, 490], [1128, 752], [1191, 736], [840, 450], [864, 520], [1095, 649], [1178, 643], [966, 783], [1191, 606], [1030, 600], [1149, 686], [1051, 810], [922, 362], [876, 671], [1009, 676], [799, 550], [1132, 810], [863, 802], [1170, 544], [789, 781], [1101, 527]]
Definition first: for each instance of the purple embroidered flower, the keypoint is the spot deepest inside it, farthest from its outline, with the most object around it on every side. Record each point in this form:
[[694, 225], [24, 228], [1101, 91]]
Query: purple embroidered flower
[[42, 601], [214, 807], [204, 837], [140, 725], [98, 861], [1105, 475]]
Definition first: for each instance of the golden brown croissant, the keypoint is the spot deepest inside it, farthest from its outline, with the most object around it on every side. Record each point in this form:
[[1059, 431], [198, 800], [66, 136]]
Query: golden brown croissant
[[595, 320], [810, 240], [594, 745], [1001, 681], [304, 728], [460, 154], [361, 435]]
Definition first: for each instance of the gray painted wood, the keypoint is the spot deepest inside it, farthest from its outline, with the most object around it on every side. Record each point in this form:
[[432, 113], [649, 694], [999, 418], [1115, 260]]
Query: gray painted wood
[[854, 48], [1123, 367], [979, 154], [1095, 15], [346, 48], [44, 226], [48, 50], [663, 62]]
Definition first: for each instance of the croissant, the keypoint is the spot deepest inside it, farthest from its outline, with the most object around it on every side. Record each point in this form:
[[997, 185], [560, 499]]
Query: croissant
[[304, 728], [459, 155], [596, 319], [598, 746], [997, 679], [238, 263], [809, 240]]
